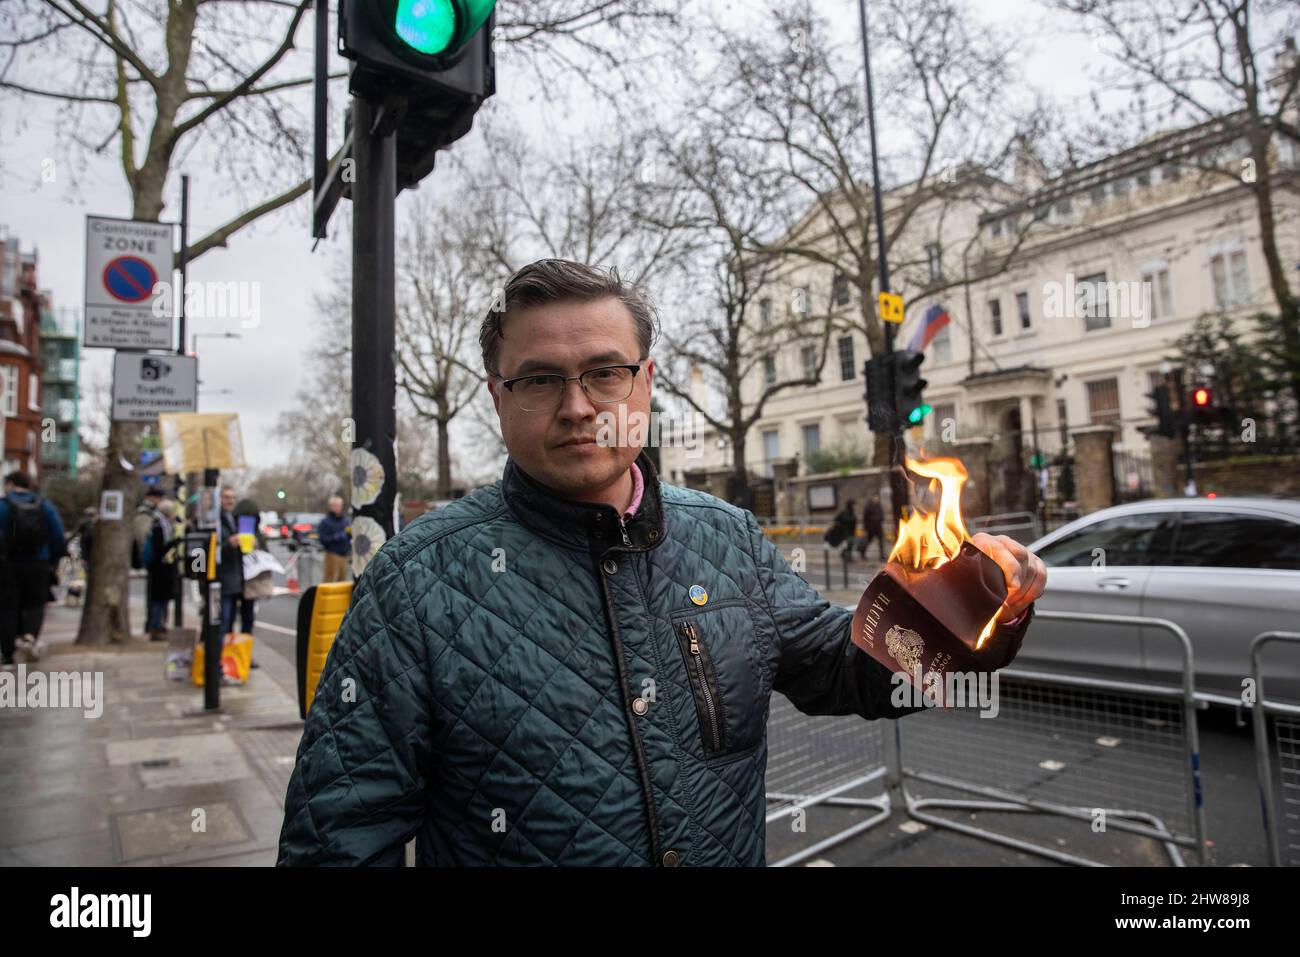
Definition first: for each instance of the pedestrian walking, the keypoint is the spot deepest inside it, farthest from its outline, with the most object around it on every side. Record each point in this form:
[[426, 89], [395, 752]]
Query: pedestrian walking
[[336, 538], [31, 542], [873, 527], [844, 528]]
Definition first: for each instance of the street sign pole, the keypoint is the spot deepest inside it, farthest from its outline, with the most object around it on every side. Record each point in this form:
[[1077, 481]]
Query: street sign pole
[[178, 618], [374, 376], [898, 491]]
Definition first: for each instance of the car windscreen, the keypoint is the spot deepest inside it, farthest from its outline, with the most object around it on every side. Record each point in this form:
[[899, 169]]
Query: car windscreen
[[1119, 540]]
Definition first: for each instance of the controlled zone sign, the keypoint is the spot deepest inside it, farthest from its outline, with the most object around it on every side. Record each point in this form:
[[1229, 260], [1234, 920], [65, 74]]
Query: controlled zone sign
[[146, 386], [125, 260]]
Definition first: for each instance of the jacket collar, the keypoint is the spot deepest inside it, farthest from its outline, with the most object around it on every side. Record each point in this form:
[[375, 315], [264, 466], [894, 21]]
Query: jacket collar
[[581, 525]]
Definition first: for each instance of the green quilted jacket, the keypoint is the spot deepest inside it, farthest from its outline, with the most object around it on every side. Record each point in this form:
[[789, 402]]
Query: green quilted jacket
[[524, 680]]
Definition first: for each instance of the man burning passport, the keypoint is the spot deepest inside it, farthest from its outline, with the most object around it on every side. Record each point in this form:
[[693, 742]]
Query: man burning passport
[[573, 666]]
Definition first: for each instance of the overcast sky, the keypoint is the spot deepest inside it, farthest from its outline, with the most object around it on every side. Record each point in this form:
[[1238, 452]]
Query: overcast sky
[[263, 368]]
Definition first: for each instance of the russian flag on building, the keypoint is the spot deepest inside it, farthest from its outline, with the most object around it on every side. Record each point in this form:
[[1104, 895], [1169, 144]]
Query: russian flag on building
[[936, 317]]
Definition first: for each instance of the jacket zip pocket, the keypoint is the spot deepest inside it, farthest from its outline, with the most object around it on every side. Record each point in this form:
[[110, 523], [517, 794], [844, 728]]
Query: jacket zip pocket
[[704, 686]]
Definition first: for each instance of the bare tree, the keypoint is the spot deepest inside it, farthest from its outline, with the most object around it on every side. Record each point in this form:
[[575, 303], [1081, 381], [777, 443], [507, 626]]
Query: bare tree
[[445, 288], [797, 99], [732, 328], [592, 202]]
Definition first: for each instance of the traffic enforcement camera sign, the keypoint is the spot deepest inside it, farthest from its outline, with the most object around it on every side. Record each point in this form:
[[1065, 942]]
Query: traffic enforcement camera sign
[[125, 261], [891, 307], [145, 386]]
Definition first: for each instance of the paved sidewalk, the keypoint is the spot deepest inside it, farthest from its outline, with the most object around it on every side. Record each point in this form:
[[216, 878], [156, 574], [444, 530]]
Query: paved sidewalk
[[149, 780]]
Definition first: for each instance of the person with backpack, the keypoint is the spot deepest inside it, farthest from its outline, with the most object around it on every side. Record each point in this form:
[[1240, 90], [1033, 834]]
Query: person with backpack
[[31, 541], [146, 514]]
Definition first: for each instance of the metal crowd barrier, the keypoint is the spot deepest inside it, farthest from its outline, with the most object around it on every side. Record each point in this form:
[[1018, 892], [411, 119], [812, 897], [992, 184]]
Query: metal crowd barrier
[[1068, 746], [814, 761], [1281, 829]]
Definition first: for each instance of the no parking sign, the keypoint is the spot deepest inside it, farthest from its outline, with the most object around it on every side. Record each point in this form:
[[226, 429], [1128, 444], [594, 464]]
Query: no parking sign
[[125, 259]]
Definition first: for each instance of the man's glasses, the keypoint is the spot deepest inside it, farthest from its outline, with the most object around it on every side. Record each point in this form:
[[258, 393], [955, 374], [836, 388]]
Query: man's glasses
[[544, 392]]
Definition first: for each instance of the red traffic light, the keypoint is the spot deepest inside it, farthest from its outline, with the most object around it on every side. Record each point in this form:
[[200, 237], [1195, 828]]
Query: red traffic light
[[1201, 396]]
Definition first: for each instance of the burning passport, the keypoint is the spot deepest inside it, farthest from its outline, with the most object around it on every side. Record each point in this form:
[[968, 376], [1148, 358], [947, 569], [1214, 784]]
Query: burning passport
[[932, 610]]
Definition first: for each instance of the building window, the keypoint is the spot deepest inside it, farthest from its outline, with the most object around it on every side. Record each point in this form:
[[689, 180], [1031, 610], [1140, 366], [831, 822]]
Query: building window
[[1022, 307], [9, 390], [847, 370], [1065, 207], [1093, 302], [1097, 195], [771, 450], [941, 345], [1103, 401], [995, 227], [769, 369], [1144, 178], [1157, 294], [33, 393], [764, 313], [1121, 186], [943, 411], [1062, 424], [934, 257], [812, 439], [802, 301], [840, 290], [1171, 173], [808, 359], [995, 316], [1231, 284]]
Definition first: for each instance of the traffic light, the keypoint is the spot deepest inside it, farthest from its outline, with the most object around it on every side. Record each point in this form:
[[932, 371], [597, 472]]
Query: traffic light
[[405, 45], [879, 375], [430, 61], [1203, 409], [1166, 421], [279, 493], [909, 400]]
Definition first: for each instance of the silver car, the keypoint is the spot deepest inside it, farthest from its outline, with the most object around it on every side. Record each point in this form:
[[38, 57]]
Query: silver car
[[1223, 569]]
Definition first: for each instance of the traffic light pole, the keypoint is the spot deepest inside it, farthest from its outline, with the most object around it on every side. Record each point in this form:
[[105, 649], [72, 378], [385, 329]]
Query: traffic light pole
[[374, 376], [898, 492]]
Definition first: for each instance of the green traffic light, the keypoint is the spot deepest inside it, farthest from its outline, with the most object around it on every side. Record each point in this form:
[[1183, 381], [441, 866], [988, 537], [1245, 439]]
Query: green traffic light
[[432, 27], [917, 414], [426, 25], [279, 493]]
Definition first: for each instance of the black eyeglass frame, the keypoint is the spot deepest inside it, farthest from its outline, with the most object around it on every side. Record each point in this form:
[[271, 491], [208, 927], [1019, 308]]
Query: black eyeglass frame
[[634, 368]]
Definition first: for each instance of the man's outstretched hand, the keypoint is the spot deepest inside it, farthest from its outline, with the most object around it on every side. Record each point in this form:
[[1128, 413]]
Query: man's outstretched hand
[[1025, 573]]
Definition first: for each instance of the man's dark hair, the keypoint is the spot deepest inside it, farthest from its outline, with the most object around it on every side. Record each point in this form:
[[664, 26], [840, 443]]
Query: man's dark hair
[[560, 280], [20, 479]]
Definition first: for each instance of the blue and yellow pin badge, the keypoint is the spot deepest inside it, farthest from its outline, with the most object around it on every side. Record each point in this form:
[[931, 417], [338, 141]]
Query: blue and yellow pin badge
[[698, 594]]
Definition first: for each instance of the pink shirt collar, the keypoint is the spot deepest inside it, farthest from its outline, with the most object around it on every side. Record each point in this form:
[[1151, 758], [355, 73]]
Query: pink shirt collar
[[638, 489]]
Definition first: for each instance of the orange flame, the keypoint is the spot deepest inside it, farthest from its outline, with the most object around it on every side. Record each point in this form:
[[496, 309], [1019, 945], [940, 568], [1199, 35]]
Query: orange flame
[[927, 540]]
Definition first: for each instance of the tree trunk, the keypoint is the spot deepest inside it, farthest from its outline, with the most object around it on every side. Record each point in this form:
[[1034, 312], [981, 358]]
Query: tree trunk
[[106, 615], [444, 460]]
